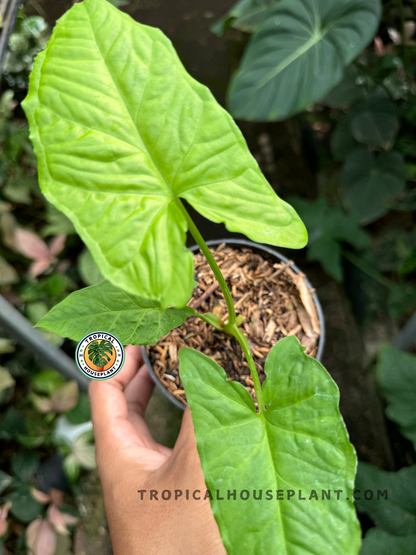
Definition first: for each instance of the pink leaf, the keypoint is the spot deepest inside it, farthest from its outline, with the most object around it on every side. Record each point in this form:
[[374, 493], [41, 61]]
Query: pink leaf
[[65, 397], [4, 511], [379, 46], [40, 496], [38, 267], [41, 537], [69, 519], [41, 404], [57, 245], [57, 496], [55, 517], [31, 245]]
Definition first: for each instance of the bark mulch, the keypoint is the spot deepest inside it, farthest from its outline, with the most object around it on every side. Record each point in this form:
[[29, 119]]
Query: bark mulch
[[274, 301]]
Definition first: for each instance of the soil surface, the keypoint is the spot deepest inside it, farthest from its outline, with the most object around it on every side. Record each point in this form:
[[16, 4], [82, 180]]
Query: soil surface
[[272, 299]]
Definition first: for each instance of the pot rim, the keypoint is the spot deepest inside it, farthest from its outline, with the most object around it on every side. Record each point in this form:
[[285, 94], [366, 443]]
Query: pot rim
[[256, 247]]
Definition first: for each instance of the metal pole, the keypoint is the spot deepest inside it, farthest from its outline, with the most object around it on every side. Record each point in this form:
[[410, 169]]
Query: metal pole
[[22, 330]]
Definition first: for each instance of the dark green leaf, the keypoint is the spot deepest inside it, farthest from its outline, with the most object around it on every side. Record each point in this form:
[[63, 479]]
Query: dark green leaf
[[378, 542], [298, 55], [299, 443], [245, 15], [5, 481], [367, 181], [405, 202], [401, 297], [81, 412], [373, 120], [342, 142], [328, 228], [24, 507], [11, 424], [104, 307], [347, 92], [396, 375], [397, 513], [25, 464]]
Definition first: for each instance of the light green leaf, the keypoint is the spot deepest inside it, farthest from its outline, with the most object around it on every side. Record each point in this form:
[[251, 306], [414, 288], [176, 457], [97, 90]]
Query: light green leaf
[[88, 269], [298, 55], [6, 379], [373, 120], [104, 307], [329, 227], [367, 181], [47, 381], [396, 375], [84, 451], [397, 513], [300, 443], [378, 542], [122, 132], [71, 467]]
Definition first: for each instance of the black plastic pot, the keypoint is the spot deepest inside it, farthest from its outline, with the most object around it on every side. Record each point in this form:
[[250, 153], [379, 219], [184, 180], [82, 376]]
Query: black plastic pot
[[260, 249]]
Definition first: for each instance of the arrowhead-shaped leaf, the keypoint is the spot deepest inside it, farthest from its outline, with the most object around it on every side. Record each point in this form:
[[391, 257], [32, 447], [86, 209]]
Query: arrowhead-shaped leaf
[[368, 180], [396, 375], [298, 55], [328, 228], [104, 307], [300, 444], [373, 120], [395, 511], [121, 132]]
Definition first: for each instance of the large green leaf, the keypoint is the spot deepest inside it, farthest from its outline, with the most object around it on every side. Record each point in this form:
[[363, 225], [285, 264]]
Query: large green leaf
[[368, 180], [104, 307], [397, 513], [378, 542], [329, 227], [121, 132], [396, 375], [299, 444], [373, 120], [342, 142], [245, 15], [298, 55]]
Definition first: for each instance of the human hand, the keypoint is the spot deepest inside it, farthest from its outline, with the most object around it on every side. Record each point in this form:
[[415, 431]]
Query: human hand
[[129, 460]]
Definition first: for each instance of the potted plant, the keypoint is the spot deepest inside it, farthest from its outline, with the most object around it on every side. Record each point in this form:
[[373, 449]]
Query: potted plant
[[124, 138], [274, 300]]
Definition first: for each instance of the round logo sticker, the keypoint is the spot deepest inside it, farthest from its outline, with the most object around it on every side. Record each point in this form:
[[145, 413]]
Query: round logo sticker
[[100, 355]]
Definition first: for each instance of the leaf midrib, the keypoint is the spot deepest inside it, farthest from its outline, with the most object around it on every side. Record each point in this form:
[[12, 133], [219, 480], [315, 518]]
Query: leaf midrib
[[163, 180]]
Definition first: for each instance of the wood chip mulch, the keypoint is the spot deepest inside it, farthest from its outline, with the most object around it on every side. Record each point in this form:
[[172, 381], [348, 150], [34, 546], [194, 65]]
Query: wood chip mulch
[[273, 299]]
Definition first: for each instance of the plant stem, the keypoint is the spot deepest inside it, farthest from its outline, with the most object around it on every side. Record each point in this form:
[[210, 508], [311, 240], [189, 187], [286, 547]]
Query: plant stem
[[367, 269], [241, 338], [211, 261], [230, 326]]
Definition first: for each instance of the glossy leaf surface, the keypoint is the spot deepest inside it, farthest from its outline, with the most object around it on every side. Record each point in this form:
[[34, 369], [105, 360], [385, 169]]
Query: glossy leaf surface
[[104, 307], [121, 132], [367, 181], [298, 55], [299, 444]]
